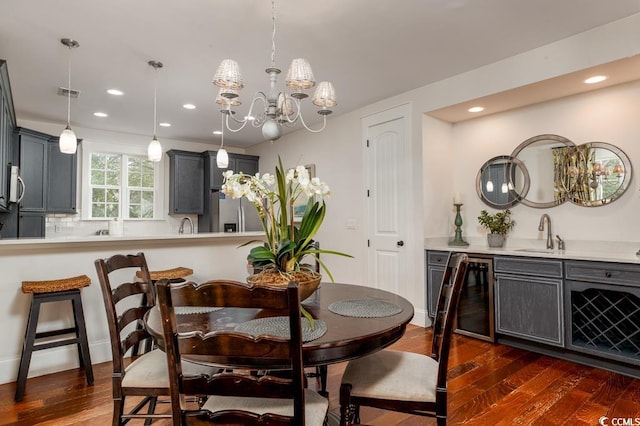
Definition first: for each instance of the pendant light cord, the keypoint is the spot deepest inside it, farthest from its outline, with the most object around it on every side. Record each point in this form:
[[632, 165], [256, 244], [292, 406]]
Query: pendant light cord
[[155, 99], [69, 89]]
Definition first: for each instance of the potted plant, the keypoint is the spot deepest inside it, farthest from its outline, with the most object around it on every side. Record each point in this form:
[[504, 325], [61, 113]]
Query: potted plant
[[280, 257], [498, 225]]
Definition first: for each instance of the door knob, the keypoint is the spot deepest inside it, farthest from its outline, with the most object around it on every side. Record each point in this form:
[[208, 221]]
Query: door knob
[[400, 243]]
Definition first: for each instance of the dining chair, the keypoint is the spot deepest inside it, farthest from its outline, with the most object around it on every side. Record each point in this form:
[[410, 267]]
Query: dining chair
[[404, 381], [232, 395], [146, 375]]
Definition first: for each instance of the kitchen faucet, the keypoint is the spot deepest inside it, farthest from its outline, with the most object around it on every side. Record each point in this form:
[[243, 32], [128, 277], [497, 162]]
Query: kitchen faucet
[[541, 228], [185, 219]]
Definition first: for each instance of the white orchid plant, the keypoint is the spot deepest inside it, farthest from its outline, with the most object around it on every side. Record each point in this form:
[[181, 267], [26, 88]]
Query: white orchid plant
[[274, 198]]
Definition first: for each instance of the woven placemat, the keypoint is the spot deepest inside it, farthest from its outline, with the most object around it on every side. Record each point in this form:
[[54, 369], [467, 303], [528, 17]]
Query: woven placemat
[[364, 308], [279, 326], [190, 310]]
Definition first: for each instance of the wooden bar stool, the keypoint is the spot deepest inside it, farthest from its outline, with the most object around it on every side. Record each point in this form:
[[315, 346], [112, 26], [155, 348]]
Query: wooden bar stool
[[174, 275], [54, 291]]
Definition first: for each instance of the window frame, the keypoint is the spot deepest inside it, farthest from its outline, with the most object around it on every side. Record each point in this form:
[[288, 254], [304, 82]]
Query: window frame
[[124, 151]]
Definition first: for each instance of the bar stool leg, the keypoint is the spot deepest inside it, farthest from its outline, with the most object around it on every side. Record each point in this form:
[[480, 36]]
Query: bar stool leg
[[27, 348], [81, 332]]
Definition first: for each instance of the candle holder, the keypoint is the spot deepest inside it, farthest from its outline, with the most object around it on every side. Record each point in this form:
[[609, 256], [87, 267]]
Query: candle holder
[[457, 239]]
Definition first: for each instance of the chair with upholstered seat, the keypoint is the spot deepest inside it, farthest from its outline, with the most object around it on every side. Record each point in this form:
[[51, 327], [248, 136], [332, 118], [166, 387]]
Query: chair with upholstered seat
[[232, 395], [147, 375], [403, 381]]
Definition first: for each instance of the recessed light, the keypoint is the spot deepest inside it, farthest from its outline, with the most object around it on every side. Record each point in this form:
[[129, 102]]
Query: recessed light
[[217, 132], [476, 109], [115, 92], [101, 114], [595, 79], [164, 124], [189, 106]]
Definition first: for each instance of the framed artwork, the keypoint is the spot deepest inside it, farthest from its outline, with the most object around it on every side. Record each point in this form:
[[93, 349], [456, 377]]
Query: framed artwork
[[301, 203]]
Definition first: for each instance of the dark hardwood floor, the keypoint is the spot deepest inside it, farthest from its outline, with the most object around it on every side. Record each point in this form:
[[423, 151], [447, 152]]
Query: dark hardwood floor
[[490, 384]]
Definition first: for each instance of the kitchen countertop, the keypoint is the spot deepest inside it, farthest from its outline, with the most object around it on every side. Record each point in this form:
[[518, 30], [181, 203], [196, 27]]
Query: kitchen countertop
[[606, 251], [106, 239]]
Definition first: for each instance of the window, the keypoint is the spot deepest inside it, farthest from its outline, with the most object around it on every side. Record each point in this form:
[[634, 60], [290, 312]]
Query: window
[[119, 184]]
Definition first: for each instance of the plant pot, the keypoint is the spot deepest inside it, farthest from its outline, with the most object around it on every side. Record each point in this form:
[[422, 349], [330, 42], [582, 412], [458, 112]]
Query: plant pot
[[495, 240], [308, 281]]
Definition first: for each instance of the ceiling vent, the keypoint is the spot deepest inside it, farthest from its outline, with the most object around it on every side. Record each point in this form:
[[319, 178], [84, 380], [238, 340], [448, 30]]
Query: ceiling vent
[[63, 91]]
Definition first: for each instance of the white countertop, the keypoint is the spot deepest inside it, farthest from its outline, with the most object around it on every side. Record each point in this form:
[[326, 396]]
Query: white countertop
[[599, 251], [106, 239]]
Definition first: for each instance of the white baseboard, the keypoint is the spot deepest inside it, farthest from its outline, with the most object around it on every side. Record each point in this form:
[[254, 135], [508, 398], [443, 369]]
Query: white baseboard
[[53, 360]]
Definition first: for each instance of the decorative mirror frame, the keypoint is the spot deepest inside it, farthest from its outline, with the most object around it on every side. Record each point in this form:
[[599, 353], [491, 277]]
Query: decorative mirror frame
[[510, 163], [531, 141], [626, 172]]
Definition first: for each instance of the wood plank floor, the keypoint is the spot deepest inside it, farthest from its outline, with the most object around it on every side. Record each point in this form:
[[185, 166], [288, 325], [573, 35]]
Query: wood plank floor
[[489, 384]]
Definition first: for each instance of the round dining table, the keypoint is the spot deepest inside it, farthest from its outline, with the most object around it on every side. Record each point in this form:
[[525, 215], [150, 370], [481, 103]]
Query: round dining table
[[346, 337]]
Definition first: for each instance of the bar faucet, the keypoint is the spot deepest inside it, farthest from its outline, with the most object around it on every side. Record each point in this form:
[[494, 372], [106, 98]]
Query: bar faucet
[[543, 218], [185, 219]]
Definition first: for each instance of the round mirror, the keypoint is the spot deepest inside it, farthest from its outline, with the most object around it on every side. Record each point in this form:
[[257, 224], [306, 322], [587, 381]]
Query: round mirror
[[539, 156], [592, 174], [502, 182]]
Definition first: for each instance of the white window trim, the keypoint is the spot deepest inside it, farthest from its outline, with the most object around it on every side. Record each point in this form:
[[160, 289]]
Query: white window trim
[[89, 148]]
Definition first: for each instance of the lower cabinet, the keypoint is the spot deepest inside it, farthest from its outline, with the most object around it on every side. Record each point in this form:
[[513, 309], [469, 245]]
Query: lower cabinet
[[528, 296], [602, 310], [436, 263]]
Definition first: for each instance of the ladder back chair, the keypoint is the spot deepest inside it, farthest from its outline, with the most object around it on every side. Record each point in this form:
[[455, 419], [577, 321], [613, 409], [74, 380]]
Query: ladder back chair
[[232, 396], [147, 375], [404, 381]]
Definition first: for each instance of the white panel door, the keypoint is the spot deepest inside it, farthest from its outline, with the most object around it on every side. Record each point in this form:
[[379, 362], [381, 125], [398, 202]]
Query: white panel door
[[387, 178]]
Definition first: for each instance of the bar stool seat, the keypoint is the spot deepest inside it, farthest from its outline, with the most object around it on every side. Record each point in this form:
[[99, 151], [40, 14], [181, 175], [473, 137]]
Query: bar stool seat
[[54, 291]]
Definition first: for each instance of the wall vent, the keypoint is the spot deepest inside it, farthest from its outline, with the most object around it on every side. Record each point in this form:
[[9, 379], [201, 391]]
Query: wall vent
[[63, 91]]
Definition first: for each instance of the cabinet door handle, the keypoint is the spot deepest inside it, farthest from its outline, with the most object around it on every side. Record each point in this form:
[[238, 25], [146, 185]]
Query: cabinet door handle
[[607, 274], [400, 243]]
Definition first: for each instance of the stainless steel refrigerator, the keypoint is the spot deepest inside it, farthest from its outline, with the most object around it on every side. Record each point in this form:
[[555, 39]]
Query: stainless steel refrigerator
[[231, 215]]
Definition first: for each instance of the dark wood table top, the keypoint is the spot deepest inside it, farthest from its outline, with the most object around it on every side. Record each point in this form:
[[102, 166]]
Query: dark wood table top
[[346, 337]]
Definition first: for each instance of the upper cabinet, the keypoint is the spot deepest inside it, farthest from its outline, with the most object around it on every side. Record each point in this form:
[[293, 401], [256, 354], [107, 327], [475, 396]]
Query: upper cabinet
[[32, 152], [62, 171], [247, 164], [7, 124], [186, 182]]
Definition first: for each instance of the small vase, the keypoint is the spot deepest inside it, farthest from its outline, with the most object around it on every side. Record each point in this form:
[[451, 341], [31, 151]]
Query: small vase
[[495, 240]]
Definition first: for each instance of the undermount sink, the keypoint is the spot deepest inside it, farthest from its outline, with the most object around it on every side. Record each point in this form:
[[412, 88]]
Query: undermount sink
[[538, 250]]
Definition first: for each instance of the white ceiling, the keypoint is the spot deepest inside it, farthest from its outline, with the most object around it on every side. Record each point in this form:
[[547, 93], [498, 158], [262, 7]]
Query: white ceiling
[[369, 49]]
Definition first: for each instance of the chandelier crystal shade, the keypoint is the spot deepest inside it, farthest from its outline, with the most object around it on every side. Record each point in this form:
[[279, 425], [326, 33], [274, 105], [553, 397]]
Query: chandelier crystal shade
[[68, 143], [154, 150], [278, 108]]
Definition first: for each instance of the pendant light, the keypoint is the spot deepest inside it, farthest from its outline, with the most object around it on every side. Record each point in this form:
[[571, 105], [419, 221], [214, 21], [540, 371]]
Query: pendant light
[[222, 158], [68, 142], [154, 150]]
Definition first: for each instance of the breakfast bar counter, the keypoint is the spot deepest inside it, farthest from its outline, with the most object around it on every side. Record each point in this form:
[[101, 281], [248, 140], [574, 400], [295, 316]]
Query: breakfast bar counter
[[210, 255]]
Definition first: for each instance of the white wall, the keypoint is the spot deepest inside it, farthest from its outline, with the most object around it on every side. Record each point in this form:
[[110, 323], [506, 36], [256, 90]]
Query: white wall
[[607, 115]]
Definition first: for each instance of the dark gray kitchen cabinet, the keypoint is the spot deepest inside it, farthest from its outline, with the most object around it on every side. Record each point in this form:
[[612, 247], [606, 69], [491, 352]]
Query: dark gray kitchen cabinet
[[247, 164], [436, 263], [7, 124], [602, 310], [31, 224], [33, 149], [529, 299], [62, 171], [186, 182]]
